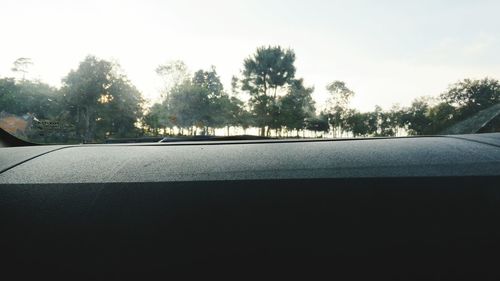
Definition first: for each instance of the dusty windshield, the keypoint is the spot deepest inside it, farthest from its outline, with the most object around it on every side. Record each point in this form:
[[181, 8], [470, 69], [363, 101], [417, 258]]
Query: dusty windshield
[[104, 71]]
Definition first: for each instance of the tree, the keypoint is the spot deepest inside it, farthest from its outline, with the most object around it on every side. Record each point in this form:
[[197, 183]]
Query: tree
[[158, 117], [265, 72], [209, 80], [122, 109], [296, 106], [10, 99], [234, 85], [21, 65], [338, 105], [470, 96], [395, 119], [318, 124], [173, 73], [230, 112], [388, 122], [358, 123], [101, 102], [36, 101], [218, 104], [199, 102], [188, 106], [416, 117], [340, 93], [151, 119], [441, 116], [240, 116], [33, 97]]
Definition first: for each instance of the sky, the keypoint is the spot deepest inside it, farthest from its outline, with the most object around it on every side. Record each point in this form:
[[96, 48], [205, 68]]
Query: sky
[[387, 52]]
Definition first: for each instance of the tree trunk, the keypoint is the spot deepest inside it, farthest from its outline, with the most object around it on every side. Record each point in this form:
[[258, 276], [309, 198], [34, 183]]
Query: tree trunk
[[86, 124]]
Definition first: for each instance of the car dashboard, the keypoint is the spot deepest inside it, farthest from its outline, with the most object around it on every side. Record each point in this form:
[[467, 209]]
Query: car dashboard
[[408, 208]]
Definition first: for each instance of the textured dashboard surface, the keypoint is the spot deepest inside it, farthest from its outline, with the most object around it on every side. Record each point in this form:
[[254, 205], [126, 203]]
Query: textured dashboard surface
[[423, 208], [396, 157], [11, 156]]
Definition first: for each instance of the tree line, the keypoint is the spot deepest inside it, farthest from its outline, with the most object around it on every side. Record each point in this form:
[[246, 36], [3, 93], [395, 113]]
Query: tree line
[[97, 101]]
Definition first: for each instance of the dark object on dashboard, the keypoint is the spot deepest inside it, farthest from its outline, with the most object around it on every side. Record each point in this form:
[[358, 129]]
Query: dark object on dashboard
[[134, 140], [213, 138], [8, 140]]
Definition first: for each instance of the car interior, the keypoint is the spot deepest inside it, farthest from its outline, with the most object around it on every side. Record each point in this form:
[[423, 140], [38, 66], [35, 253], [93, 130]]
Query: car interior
[[250, 140], [384, 208]]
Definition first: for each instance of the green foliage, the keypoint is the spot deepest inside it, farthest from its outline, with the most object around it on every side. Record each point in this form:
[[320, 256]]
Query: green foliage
[[318, 124], [230, 111], [338, 105], [268, 69], [40, 102], [157, 118], [441, 117], [416, 117], [21, 65], [101, 102], [264, 73], [340, 94], [173, 73], [387, 121], [296, 106], [8, 93], [121, 111], [210, 81], [462, 100], [421, 118], [470, 96], [359, 123], [189, 105], [36, 98], [202, 103]]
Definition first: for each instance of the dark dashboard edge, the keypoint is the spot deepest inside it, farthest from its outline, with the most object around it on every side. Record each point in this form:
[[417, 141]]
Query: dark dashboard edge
[[267, 141], [31, 158], [201, 183], [471, 140]]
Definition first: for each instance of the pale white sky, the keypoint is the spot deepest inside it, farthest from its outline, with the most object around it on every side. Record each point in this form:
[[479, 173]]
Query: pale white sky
[[386, 51]]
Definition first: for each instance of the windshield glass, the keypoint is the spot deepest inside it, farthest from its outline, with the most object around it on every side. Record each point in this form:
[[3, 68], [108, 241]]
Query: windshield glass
[[105, 71]]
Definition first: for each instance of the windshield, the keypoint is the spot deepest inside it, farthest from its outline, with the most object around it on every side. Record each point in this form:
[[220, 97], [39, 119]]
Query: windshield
[[104, 71]]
